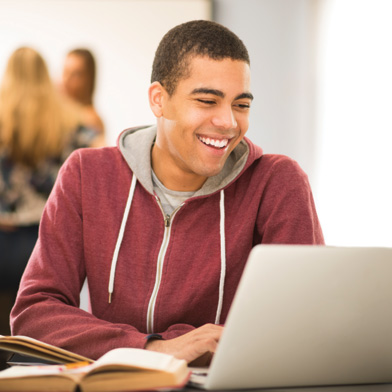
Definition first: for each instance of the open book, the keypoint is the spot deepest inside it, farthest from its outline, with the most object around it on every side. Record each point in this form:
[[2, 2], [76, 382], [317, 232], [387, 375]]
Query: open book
[[121, 369], [34, 348]]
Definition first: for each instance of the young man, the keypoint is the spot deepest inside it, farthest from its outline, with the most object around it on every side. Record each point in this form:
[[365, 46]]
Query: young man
[[162, 225]]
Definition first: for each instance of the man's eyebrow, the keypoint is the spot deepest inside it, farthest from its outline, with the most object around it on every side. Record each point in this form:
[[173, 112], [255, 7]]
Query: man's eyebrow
[[211, 91], [245, 95], [219, 93]]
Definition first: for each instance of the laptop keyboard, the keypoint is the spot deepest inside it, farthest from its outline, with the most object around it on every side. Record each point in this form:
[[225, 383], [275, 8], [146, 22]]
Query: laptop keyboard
[[198, 376]]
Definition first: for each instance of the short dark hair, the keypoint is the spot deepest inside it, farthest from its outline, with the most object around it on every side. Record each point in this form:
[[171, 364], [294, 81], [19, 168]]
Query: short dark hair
[[195, 38]]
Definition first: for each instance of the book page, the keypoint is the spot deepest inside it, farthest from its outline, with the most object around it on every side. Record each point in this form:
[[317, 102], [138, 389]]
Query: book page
[[38, 371], [140, 359]]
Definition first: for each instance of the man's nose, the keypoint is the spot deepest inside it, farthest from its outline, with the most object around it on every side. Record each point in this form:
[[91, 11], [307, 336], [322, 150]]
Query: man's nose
[[224, 118]]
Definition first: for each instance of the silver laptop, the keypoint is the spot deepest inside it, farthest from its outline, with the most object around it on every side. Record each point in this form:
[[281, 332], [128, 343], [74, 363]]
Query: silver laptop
[[307, 316]]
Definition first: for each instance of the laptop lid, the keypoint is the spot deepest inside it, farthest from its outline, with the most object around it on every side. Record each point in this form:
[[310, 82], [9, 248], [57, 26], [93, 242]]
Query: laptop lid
[[308, 315]]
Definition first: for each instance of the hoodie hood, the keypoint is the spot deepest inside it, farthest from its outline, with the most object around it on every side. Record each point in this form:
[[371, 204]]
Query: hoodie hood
[[135, 145]]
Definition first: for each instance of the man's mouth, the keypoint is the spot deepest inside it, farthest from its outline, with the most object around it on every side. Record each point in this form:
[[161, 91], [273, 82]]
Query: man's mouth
[[217, 143]]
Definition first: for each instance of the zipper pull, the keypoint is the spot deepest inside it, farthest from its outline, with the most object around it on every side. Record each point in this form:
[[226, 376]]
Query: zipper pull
[[167, 221]]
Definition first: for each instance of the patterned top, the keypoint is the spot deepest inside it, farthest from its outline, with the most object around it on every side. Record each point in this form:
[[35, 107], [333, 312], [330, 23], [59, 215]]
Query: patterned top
[[24, 190]]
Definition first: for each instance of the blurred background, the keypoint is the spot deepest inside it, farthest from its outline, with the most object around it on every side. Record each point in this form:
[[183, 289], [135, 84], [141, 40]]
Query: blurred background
[[321, 77]]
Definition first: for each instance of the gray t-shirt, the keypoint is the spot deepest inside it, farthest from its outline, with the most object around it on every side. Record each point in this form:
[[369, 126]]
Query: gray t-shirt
[[170, 200]]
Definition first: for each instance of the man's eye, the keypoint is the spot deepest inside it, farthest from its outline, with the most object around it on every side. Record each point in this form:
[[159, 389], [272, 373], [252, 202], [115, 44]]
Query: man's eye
[[243, 105], [206, 101]]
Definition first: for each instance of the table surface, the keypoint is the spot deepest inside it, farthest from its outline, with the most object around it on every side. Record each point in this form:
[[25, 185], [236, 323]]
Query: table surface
[[347, 388]]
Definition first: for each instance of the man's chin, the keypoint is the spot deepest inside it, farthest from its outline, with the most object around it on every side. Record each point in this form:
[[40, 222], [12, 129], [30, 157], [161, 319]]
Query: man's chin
[[212, 172]]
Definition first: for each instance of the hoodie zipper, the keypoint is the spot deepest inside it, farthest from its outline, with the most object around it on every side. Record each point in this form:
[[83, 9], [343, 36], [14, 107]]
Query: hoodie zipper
[[168, 219]]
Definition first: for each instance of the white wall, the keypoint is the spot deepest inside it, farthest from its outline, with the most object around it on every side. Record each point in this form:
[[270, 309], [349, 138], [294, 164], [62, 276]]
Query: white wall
[[123, 34]]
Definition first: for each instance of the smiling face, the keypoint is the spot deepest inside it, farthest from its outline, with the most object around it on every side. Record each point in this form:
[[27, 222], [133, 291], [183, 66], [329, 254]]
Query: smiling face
[[201, 123]]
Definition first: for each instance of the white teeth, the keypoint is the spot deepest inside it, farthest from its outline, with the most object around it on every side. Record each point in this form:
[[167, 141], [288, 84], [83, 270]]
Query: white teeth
[[214, 142]]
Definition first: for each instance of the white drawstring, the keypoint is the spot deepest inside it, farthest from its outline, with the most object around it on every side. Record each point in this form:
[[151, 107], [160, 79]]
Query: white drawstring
[[222, 245], [120, 237], [223, 256]]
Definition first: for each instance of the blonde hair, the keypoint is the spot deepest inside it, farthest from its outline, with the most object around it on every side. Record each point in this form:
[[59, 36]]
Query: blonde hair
[[35, 122]]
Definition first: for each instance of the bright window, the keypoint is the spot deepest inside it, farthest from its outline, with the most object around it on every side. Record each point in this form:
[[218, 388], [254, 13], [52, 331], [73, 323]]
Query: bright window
[[354, 172]]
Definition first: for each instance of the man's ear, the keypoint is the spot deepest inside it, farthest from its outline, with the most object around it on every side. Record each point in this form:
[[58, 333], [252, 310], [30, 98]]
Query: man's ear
[[156, 94]]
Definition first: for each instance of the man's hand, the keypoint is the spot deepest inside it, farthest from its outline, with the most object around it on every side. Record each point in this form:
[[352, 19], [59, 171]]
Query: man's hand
[[191, 345]]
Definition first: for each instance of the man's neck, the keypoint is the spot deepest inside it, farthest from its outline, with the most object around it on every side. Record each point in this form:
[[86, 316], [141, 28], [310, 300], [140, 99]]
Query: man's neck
[[171, 176]]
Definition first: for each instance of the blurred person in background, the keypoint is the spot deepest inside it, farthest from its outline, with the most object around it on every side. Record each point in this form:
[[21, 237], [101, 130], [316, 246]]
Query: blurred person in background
[[78, 83], [38, 131]]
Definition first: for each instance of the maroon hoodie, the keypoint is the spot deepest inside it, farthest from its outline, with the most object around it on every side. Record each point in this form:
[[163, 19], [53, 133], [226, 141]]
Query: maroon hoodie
[[165, 276]]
